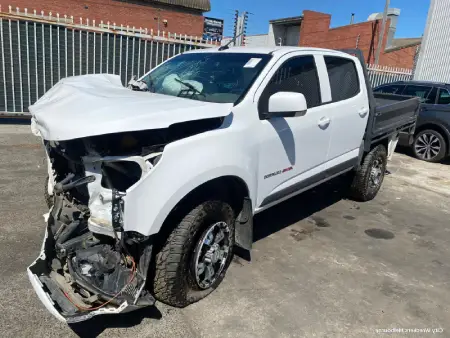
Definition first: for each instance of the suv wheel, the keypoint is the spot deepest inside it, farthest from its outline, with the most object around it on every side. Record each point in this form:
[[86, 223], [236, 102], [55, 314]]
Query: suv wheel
[[195, 257], [429, 145], [368, 178]]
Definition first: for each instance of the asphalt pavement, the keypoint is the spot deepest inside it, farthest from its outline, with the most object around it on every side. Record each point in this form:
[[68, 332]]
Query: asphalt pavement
[[322, 265]]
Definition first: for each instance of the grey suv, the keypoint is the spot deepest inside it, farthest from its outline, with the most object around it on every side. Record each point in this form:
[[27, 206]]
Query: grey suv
[[431, 140]]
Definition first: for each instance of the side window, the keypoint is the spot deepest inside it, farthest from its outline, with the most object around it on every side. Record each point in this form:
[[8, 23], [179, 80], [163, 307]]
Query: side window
[[390, 89], [431, 99], [419, 91], [444, 97], [298, 75], [344, 81]]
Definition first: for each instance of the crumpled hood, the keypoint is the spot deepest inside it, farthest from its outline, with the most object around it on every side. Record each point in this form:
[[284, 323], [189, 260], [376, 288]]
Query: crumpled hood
[[90, 105]]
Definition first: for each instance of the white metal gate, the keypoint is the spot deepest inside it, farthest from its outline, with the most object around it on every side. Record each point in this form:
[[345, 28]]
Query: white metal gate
[[37, 50], [379, 75]]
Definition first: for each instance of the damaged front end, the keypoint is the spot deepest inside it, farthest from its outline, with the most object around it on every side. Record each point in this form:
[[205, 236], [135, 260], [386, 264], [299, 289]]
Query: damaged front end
[[89, 264]]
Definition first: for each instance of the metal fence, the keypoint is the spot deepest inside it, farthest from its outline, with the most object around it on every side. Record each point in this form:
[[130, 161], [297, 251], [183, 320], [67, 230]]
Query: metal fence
[[379, 75], [38, 50]]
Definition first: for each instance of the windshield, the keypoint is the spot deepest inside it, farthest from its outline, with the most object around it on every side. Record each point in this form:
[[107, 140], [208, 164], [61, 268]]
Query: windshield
[[211, 77]]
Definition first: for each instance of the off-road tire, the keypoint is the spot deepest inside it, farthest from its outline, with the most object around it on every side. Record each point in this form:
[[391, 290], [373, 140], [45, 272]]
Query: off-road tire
[[442, 142], [47, 196], [361, 188], [174, 283]]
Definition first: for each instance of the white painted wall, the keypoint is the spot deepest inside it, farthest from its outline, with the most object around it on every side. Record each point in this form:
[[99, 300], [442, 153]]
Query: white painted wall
[[278, 35], [260, 40]]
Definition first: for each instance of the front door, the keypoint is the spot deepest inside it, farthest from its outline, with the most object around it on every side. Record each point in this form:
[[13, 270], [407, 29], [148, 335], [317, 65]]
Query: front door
[[292, 150]]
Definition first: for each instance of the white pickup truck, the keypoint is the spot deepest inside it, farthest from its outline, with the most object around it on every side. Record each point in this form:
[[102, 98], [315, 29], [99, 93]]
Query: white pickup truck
[[150, 187]]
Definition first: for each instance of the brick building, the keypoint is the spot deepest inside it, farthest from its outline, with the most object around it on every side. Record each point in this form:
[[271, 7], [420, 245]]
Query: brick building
[[315, 31], [312, 29], [176, 16]]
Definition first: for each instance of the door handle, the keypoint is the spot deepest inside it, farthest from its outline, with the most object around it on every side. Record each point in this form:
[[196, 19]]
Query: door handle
[[363, 112], [324, 122]]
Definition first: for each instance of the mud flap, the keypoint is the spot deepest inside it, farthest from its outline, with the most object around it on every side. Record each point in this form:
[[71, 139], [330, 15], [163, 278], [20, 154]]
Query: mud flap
[[244, 226]]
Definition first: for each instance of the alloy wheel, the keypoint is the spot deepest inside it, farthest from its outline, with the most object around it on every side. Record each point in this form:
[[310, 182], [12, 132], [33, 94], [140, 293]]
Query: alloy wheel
[[427, 146], [211, 254], [376, 173]]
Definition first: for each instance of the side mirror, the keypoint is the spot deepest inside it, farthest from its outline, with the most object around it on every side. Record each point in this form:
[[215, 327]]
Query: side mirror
[[287, 104]]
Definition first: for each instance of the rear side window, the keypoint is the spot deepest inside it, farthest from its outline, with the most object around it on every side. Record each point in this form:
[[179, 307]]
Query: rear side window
[[431, 99], [444, 97], [344, 81], [390, 89], [298, 75], [419, 91]]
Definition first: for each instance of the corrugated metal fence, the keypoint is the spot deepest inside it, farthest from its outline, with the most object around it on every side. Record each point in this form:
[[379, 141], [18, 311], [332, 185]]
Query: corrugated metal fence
[[434, 61], [379, 75], [37, 50]]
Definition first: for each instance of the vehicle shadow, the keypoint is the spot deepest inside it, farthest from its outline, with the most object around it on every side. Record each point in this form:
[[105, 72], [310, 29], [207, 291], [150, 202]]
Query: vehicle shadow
[[300, 207], [96, 325], [15, 120], [408, 152]]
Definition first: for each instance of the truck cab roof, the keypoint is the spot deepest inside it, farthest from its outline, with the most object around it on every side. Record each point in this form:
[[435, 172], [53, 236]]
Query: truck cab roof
[[275, 50]]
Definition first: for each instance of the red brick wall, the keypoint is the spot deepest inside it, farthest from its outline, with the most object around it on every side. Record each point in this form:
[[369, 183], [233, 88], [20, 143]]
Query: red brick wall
[[133, 13], [315, 32], [402, 58]]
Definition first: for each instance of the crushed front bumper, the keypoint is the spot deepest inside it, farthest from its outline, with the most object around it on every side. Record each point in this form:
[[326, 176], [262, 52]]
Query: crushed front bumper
[[40, 267]]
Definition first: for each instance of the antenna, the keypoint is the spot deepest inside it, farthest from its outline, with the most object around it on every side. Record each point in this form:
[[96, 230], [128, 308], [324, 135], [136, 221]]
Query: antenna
[[233, 40]]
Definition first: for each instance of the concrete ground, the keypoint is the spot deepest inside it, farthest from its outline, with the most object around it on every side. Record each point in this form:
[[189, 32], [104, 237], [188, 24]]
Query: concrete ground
[[322, 266]]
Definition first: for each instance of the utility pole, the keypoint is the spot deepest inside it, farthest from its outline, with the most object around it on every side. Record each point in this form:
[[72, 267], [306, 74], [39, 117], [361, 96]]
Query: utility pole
[[240, 27], [236, 25], [383, 26]]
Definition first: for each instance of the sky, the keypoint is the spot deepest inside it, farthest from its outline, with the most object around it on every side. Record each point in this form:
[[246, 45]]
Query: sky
[[411, 22]]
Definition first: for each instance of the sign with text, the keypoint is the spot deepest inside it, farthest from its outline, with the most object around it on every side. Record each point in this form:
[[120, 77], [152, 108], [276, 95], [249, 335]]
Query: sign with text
[[213, 29]]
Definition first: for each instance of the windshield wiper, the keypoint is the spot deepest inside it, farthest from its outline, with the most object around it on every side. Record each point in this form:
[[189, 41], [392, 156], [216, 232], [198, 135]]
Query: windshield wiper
[[191, 87]]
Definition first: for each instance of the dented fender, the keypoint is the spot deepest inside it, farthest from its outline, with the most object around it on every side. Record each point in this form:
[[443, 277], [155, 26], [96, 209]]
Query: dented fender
[[181, 169]]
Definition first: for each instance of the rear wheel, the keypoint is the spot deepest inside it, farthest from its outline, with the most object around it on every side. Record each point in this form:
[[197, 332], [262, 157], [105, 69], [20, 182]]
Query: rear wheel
[[196, 255], [368, 178], [429, 145]]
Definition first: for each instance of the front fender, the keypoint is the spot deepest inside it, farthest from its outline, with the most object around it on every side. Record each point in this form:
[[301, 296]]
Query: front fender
[[184, 166]]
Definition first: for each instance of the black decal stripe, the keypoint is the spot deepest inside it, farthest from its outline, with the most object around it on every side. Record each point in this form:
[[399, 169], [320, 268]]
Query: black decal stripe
[[310, 181]]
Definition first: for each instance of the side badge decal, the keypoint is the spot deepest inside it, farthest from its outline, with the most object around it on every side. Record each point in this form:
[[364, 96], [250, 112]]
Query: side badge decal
[[278, 172]]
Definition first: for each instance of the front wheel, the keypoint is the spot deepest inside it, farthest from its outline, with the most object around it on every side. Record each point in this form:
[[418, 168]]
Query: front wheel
[[429, 145], [368, 178], [196, 255]]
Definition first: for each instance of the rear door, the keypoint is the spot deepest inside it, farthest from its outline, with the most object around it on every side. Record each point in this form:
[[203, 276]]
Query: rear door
[[348, 110]]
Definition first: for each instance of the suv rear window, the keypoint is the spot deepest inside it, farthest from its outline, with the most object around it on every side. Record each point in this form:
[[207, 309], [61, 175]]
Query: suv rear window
[[419, 91], [390, 89], [344, 81], [431, 99]]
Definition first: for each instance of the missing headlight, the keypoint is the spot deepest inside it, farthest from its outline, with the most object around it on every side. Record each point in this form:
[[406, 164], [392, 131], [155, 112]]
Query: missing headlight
[[120, 175]]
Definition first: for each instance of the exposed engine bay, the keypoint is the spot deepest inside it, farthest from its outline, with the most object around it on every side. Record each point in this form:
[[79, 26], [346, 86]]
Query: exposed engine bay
[[89, 263]]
